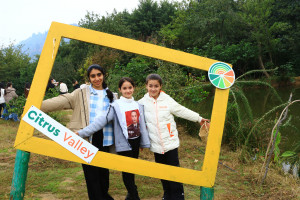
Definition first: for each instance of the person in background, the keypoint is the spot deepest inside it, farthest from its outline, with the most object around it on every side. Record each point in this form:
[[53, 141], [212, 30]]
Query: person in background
[[26, 90], [160, 109], [87, 104], [2, 99], [84, 85], [50, 84], [63, 88], [10, 95], [75, 85]]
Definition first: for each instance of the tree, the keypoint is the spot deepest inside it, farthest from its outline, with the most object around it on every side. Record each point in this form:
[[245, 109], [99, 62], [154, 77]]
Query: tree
[[15, 67], [256, 14], [149, 17], [197, 21], [115, 23], [286, 15]]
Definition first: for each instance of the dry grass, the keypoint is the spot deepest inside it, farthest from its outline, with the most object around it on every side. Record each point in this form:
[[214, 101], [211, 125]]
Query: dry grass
[[50, 178]]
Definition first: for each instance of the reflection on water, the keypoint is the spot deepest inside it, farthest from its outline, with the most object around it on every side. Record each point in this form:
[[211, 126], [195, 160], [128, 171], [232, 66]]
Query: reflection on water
[[262, 100]]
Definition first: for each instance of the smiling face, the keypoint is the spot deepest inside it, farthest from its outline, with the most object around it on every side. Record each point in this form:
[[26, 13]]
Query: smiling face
[[127, 90], [96, 78], [154, 87]]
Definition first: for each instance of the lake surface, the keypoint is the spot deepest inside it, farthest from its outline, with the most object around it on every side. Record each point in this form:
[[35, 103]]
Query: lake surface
[[262, 100]]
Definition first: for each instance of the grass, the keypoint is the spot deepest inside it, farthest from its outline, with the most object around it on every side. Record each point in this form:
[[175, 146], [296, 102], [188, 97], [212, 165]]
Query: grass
[[51, 178]]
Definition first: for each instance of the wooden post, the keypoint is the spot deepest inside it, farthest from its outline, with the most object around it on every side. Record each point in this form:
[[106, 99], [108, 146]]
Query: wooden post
[[206, 193], [20, 174]]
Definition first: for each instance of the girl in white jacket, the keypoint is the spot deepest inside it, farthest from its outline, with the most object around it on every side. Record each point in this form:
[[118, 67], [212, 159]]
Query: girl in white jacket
[[159, 109]]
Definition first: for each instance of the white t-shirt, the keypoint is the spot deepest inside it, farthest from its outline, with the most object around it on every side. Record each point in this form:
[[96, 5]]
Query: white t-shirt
[[100, 111], [63, 88], [127, 106], [2, 100], [83, 86]]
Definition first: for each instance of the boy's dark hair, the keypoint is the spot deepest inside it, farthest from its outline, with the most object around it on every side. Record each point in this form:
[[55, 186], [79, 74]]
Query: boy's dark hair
[[154, 77], [124, 79], [104, 85]]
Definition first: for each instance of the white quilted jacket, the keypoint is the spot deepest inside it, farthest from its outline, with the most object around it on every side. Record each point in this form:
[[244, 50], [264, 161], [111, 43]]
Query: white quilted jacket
[[160, 121]]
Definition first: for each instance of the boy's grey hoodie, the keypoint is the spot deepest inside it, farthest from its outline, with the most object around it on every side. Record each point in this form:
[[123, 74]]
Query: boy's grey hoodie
[[114, 114]]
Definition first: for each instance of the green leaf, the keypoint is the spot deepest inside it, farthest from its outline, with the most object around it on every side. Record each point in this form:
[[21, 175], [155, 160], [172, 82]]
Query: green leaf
[[288, 154]]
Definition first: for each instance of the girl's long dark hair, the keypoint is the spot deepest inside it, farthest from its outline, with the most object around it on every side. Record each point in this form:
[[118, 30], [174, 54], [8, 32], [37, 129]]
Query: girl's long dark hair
[[104, 85]]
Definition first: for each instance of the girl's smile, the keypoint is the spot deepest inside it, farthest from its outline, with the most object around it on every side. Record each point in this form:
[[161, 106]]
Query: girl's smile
[[154, 88], [127, 90], [96, 79]]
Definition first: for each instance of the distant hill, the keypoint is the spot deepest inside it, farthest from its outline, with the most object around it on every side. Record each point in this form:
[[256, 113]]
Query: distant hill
[[34, 44]]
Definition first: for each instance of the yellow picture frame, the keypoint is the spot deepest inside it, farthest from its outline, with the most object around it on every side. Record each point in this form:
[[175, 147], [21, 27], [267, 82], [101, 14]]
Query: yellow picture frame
[[27, 142]]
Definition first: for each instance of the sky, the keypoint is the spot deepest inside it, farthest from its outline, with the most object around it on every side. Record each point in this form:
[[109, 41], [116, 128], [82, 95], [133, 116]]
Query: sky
[[19, 19]]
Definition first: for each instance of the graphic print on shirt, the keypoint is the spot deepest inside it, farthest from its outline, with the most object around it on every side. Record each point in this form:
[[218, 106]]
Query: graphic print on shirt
[[133, 125], [169, 128]]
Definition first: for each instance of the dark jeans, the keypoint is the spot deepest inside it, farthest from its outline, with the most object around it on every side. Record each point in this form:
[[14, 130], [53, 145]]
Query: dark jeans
[[172, 190], [128, 178], [2, 106], [97, 178]]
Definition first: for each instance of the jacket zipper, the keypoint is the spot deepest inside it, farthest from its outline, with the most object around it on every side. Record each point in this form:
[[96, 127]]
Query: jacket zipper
[[159, 133]]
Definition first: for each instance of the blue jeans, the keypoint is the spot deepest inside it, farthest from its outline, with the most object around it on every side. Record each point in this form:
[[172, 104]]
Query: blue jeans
[[7, 116]]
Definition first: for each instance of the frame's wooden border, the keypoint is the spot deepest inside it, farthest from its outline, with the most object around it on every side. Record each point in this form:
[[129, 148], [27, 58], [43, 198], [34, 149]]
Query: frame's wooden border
[[27, 142]]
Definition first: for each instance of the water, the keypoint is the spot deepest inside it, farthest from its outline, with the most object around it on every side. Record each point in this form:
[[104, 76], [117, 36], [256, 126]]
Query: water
[[262, 100]]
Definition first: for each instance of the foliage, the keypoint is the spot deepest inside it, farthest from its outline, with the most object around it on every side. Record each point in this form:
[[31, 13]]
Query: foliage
[[250, 34], [194, 90], [52, 92], [16, 105], [285, 73], [114, 23], [247, 34], [180, 86], [241, 54], [276, 147], [292, 157], [241, 128], [196, 21], [57, 115], [138, 68], [149, 17], [15, 67]]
